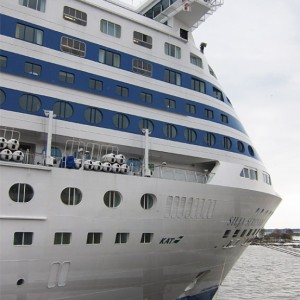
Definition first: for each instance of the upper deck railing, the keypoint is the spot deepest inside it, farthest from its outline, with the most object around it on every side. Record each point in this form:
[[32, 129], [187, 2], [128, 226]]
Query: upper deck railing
[[190, 12]]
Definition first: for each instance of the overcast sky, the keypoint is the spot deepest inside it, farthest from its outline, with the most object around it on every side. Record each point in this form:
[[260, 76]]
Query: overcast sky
[[254, 49]]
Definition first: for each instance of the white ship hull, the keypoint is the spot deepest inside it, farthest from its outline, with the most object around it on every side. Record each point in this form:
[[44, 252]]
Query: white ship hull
[[188, 193], [160, 270]]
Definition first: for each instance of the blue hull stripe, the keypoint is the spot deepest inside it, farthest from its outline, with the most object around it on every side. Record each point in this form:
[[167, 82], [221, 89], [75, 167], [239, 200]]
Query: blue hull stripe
[[204, 295], [12, 104]]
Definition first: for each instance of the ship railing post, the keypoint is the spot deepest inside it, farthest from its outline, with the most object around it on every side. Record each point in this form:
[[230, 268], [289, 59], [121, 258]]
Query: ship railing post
[[146, 170], [50, 115]]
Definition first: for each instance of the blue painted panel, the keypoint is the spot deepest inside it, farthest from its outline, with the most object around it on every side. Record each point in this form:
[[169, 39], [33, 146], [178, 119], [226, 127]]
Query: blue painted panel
[[52, 40], [12, 104], [207, 294], [50, 73]]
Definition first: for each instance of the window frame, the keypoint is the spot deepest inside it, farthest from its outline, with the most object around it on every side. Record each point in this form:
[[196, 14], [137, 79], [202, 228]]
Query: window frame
[[122, 237], [74, 15], [142, 39], [110, 28], [30, 103], [93, 115], [65, 109], [172, 77], [95, 84], [40, 5], [146, 238], [146, 97], [66, 77], [198, 85], [121, 121], [170, 103], [94, 238], [26, 238], [190, 135], [21, 192], [109, 58], [29, 34], [170, 131], [196, 60], [62, 238], [112, 199], [142, 67], [74, 196], [72, 46], [172, 50]]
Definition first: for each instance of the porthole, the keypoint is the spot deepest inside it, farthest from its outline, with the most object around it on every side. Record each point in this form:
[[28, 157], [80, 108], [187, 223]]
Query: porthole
[[21, 192], [121, 121], [71, 196], [251, 151], [209, 139], [146, 124], [112, 198], [240, 146], [147, 201], [226, 143], [30, 103], [190, 135], [20, 281], [2, 97], [170, 131], [93, 115], [63, 110]]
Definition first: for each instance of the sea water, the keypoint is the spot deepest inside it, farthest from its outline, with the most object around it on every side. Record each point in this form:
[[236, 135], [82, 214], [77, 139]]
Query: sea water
[[262, 274]]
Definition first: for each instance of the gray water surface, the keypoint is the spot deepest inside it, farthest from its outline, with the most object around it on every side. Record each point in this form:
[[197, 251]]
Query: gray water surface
[[262, 274]]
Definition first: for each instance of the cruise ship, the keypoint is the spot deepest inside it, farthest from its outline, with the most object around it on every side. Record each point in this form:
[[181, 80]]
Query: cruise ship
[[125, 171]]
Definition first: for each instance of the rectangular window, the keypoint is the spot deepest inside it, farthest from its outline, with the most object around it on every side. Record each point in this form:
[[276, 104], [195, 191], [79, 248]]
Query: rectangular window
[[74, 15], [122, 237], [23, 238], [172, 77], [209, 114], [218, 94], [198, 85], [34, 4], [253, 174], [94, 238], [267, 178], [122, 91], [170, 104], [190, 108], [110, 28], [66, 77], [224, 118], [172, 50], [211, 71], [33, 69], [142, 39], [109, 58], [62, 238], [236, 233], [244, 232], [249, 232], [95, 84], [3, 61], [29, 34], [146, 97], [226, 234], [142, 67], [146, 238], [196, 60], [72, 46], [184, 34]]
